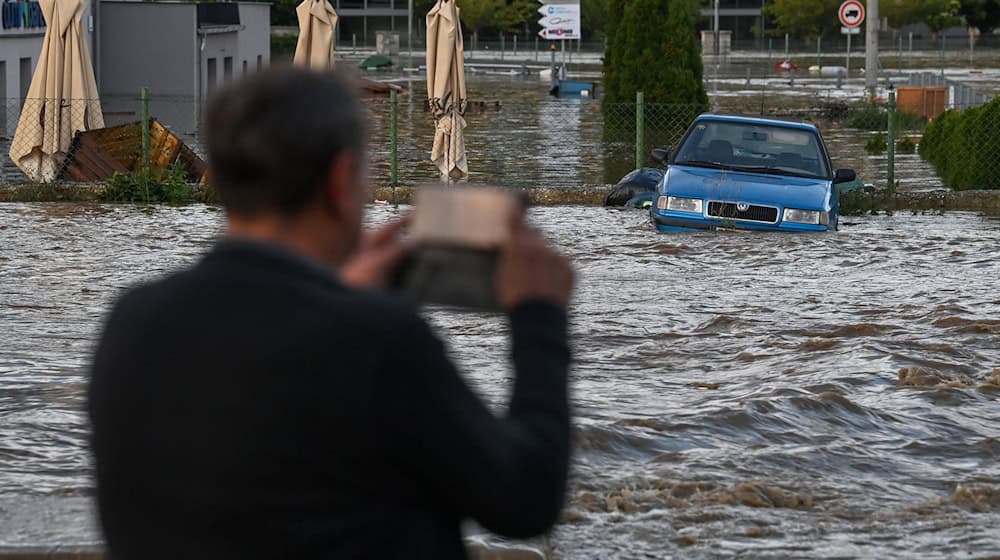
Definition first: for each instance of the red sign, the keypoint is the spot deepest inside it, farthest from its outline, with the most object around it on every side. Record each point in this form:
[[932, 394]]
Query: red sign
[[852, 13]]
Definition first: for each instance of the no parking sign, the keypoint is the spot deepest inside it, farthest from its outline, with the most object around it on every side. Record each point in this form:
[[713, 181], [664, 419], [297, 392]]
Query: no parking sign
[[852, 13]]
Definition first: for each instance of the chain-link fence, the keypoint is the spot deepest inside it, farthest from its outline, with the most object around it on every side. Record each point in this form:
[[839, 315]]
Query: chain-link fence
[[69, 140], [541, 142], [561, 143]]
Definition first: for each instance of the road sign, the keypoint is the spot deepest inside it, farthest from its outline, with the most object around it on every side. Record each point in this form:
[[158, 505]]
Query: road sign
[[850, 31], [560, 21], [852, 13]]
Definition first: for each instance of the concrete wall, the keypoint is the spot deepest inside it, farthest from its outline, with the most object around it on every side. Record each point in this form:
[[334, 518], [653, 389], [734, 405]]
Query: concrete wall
[[14, 48], [217, 51], [148, 44], [255, 39]]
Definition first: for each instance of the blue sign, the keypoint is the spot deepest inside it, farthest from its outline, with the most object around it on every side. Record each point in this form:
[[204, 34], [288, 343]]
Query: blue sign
[[22, 15]]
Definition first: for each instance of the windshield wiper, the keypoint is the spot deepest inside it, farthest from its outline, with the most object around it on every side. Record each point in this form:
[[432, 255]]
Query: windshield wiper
[[700, 163], [774, 170]]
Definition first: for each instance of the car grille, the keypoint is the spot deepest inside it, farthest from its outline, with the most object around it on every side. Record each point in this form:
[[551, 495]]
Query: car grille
[[729, 211]]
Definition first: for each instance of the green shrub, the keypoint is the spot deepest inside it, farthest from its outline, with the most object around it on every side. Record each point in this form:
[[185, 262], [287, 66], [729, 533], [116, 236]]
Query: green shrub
[[906, 146], [172, 188], [653, 48], [874, 117], [876, 145], [283, 46], [964, 147]]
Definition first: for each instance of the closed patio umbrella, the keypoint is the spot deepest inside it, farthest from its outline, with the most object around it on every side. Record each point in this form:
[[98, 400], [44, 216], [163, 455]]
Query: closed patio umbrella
[[317, 21], [446, 88], [62, 98]]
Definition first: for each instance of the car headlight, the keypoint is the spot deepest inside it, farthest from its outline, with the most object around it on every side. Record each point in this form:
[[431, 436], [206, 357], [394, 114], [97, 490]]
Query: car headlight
[[680, 204], [813, 217]]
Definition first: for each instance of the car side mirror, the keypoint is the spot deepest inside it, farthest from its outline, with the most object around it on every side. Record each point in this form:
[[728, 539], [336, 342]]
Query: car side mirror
[[661, 155], [844, 176]]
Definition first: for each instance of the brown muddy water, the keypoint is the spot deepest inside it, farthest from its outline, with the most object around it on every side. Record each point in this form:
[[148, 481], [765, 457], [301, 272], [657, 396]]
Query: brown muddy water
[[736, 394]]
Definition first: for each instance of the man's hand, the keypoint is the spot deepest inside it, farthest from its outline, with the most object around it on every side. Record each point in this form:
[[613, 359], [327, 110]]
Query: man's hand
[[530, 270], [378, 253]]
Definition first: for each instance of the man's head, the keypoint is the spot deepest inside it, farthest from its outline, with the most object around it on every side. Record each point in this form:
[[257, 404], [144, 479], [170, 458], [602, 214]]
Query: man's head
[[286, 150]]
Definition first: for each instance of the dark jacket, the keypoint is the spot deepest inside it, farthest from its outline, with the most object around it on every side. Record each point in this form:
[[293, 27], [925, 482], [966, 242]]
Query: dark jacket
[[254, 407]]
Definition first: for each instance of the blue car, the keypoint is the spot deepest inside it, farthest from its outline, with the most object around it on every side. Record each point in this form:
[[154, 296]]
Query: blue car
[[748, 173]]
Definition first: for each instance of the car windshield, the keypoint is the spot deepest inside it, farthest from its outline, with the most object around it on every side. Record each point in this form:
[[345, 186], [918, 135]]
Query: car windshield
[[755, 148]]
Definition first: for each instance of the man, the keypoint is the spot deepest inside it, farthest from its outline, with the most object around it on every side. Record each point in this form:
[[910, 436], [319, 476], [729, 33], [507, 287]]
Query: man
[[268, 403]]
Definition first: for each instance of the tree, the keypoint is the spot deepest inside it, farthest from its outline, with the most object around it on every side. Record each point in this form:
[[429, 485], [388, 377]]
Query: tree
[[901, 13], [654, 49], [594, 16], [478, 14], [612, 55], [804, 18], [984, 15], [513, 15], [941, 14]]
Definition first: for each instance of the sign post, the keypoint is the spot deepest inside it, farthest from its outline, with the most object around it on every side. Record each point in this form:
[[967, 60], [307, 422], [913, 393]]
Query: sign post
[[851, 15], [560, 22]]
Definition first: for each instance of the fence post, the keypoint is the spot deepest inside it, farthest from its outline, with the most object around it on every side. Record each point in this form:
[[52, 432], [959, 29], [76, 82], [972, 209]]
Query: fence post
[[144, 98], [891, 141], [819, 52], [899, 55], [640, 130], [943, 39], [503, 46], [393, 139]]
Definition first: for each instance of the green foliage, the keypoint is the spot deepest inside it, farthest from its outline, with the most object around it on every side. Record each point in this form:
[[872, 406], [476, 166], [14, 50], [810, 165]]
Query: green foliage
[[805, 18], [653, 49], [594, 17], [812, 18], [876, 145], [964, 147], [498, 15], [981, 14], [283, 46], [478, 14], [874, 117], [613, 52], [936, 14], [283, 12], [941, 14], [513, 16], [906, 146], [172, 188]]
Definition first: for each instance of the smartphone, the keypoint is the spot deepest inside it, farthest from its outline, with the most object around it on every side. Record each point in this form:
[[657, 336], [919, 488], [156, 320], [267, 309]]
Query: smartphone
[[458, 233]]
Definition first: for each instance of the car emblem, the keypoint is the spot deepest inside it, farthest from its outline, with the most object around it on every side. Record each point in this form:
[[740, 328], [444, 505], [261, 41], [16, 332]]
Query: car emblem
[[742, 206]]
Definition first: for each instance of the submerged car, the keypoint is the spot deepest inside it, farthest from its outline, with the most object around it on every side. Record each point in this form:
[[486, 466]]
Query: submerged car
[[749, 173]]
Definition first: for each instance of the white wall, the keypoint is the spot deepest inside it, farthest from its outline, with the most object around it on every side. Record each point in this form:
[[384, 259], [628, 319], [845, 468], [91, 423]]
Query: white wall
[[218, 47], [12, 49], [255, 39]]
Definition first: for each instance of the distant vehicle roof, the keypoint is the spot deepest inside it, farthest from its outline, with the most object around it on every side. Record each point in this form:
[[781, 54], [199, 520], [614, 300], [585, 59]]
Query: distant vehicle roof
[[757, 120]]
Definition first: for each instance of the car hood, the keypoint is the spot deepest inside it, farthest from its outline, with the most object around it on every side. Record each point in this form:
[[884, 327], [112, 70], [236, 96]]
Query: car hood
[[755, 188]]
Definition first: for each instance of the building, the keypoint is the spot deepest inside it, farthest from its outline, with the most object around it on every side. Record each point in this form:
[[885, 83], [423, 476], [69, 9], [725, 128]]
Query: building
[[361, 19], [743, 17], [180, 48], [174, 48], [22, 28]]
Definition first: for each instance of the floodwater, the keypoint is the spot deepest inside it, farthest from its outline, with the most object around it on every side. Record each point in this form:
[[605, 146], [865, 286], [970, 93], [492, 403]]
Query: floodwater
[[736, 394]]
